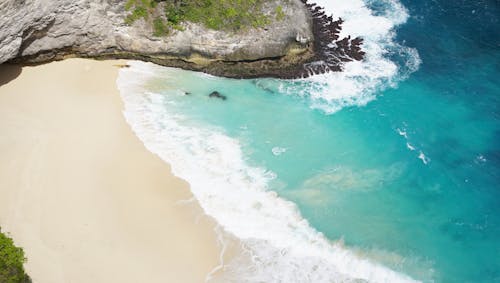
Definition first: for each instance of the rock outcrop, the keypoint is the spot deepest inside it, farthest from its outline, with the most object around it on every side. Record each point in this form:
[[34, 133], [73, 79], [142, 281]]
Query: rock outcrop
[[36, 31]]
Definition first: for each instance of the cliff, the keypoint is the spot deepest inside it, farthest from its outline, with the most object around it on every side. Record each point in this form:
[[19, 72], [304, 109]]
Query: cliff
[[36, 31], [302, 41]]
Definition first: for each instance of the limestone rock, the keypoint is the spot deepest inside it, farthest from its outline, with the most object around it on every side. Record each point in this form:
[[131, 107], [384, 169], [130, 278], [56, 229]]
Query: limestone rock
[[44, 30]]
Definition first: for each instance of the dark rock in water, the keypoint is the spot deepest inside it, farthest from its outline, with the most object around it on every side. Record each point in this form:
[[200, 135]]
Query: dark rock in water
[[217, 94]]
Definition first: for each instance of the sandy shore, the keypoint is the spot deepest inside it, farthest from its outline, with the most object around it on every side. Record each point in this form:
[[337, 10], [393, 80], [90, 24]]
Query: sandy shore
[[81, 194]]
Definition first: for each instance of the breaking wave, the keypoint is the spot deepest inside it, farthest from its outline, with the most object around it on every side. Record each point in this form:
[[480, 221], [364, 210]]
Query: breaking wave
[[280, 243], [385, 64]]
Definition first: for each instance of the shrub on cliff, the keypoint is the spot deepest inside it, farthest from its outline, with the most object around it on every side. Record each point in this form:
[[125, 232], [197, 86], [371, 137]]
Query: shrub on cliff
[[11, 262], [214, 14]]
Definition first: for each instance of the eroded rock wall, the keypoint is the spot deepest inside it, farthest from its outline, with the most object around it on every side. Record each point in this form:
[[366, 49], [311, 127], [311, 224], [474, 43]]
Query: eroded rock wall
[[42, 30]]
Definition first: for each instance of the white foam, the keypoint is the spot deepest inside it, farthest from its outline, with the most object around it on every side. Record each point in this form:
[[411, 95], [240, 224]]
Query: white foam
[[480, 159], [359, 81], [410, 147], [277, 151], [282, 244], [402, 132], [421, 155], [424, 158]]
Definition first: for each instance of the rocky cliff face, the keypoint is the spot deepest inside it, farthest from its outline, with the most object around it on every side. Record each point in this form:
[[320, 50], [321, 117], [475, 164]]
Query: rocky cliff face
[[33, 31]]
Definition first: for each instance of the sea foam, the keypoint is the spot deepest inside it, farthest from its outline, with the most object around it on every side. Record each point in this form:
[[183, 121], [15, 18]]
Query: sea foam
[[283, 247], [357, 84]]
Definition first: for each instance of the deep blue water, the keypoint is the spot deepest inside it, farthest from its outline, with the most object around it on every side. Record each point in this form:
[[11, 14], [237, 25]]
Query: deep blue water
[[410, 180]]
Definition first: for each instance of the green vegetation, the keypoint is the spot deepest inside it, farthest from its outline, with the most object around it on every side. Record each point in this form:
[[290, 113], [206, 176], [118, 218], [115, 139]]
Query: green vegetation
[[215, 14], [139, 8], [159, 27], [280, 15], [11, 262]]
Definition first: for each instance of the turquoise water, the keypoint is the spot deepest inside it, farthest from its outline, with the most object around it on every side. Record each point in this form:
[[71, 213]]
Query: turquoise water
[[400, 168]]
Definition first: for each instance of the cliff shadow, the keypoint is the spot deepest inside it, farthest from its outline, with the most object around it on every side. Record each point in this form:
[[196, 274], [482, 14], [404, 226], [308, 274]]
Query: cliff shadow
[[8, 72]]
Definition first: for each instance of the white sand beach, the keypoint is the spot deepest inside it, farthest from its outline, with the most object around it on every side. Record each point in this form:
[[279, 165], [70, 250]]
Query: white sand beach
[[79, 191]]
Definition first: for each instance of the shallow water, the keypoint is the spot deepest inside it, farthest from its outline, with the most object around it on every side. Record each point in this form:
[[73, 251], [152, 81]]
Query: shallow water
[[387, 172]]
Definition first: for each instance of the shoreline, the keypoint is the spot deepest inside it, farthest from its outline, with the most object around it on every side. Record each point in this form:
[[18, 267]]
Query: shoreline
[[277, 241], [81, 194]]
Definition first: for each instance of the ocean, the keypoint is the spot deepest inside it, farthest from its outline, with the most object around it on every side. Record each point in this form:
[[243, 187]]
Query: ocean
[[386, 172]]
